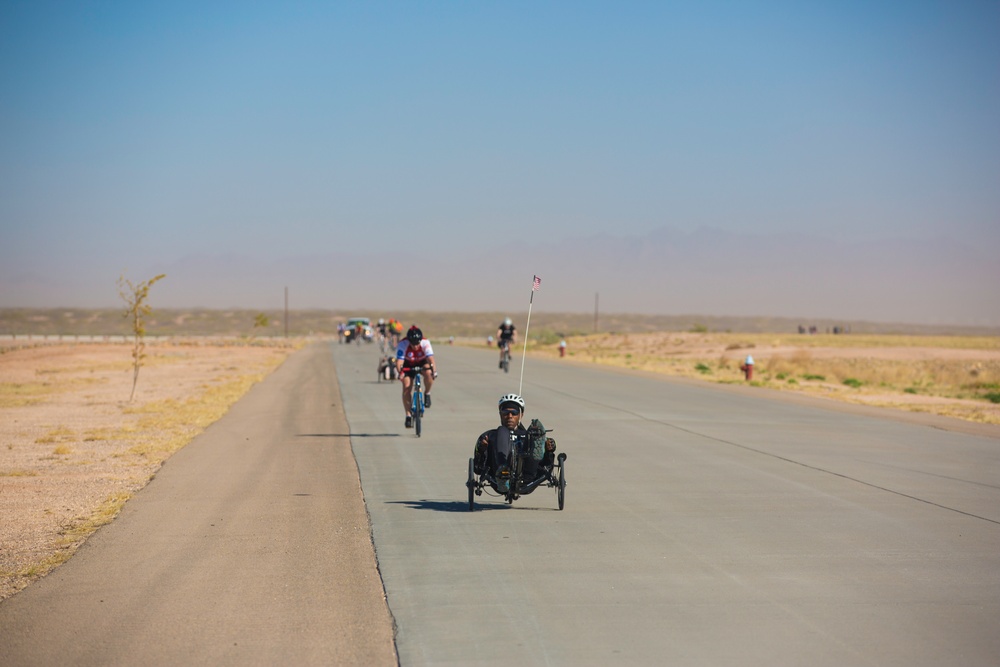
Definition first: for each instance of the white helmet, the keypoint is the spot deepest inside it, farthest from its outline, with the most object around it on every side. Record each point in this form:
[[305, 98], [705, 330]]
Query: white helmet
[[511, 398], [508, 323]]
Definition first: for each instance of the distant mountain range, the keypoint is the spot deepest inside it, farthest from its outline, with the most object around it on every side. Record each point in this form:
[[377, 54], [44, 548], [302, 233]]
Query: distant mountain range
[[710, 272]]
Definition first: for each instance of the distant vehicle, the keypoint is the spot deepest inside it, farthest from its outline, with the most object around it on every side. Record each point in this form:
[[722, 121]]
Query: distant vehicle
[[351, 329]]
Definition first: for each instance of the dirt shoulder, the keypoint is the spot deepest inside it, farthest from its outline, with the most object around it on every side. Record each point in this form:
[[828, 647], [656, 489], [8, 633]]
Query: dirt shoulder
[[73, 448]]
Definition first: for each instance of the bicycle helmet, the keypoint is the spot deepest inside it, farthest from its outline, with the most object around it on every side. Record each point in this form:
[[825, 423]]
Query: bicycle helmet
[[507, 322], [511, 398], [414, 335]]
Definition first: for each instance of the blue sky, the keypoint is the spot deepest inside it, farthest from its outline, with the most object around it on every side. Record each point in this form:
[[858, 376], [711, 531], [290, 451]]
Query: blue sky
[[136, 134]]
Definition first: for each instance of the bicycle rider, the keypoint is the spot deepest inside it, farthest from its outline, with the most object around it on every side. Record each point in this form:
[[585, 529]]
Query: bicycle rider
[[414, 352], [506, 336]]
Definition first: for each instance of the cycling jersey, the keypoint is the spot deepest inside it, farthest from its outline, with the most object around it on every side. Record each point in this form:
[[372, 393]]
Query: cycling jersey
[[506, 333], [414, 356]]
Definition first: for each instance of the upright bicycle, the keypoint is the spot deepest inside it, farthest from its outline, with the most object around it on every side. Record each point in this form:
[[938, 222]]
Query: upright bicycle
[[417, 399], [505, 356]]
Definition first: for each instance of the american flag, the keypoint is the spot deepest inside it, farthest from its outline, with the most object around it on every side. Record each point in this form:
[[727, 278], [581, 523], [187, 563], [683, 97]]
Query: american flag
[[536, 285]]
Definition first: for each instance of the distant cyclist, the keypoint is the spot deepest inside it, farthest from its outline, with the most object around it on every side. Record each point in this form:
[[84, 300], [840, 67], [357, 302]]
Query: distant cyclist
[[395, 331], [506, 336], [414, 352]]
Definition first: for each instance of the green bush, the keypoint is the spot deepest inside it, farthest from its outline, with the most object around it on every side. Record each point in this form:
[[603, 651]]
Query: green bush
[[820, 378], [992, 397], [910, 390], [702, 368], [853, 382]]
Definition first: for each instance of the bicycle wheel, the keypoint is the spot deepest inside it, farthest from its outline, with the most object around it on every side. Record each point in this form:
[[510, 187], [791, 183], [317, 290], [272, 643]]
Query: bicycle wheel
[[506, 362], [472, 485], [561, 489], [418, 412]]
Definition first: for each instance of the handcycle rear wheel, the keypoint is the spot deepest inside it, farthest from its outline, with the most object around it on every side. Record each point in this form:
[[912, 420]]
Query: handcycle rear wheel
[[471, 483], [561, 488]]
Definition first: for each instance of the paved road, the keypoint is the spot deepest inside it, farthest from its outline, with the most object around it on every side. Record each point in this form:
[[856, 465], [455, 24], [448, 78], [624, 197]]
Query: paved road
[[703, 526], [251, 547]]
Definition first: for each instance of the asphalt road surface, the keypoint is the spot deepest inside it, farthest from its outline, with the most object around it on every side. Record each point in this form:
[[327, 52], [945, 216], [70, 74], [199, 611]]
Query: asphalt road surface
[[703, 526]]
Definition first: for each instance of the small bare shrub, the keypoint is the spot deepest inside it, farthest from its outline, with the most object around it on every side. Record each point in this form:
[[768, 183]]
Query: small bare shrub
[[134, 296]]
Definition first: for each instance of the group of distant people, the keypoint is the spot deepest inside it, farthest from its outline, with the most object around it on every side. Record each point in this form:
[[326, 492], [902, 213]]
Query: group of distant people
[[389, 330], [414, 354]]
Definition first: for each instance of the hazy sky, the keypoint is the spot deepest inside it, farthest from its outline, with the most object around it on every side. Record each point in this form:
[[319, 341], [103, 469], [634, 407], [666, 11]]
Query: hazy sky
[[136, 134]]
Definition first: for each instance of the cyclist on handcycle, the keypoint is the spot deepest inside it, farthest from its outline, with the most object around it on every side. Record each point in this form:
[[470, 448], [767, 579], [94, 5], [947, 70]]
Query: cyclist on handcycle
[[506, 336], [494, 447], [415, 352]]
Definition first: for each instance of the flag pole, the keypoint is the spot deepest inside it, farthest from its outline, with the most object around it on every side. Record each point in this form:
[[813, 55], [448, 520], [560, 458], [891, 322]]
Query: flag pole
[[536, 283]]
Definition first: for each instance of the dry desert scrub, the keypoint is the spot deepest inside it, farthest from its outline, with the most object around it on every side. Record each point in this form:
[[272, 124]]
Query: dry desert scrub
[[73, 449], [948, 375]]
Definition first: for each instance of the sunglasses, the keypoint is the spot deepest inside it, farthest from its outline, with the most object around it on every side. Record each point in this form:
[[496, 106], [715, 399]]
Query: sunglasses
[[510, 411]]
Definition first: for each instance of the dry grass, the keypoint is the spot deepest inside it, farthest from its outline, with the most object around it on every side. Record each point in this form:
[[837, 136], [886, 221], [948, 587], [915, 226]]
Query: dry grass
[[17, 394], [949, 375], [76, 450]]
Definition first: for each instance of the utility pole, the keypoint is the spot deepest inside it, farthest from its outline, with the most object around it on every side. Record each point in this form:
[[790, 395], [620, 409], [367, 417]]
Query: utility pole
[[286, 312], [596, 297]]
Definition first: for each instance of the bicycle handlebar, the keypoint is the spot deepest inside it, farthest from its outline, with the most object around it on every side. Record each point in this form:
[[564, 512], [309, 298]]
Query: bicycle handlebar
[[421, 368]]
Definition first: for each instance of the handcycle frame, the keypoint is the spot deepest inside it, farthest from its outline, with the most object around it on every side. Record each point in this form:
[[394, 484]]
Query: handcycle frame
[[553, 476], [386, 362], [387, 369]]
